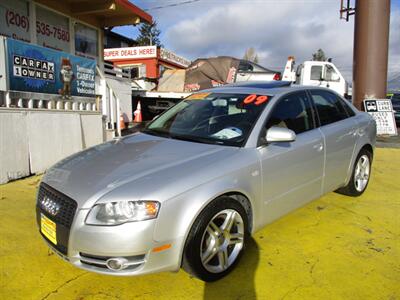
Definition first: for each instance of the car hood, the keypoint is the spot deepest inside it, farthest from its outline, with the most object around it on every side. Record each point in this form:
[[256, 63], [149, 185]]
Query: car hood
[[134, 160]]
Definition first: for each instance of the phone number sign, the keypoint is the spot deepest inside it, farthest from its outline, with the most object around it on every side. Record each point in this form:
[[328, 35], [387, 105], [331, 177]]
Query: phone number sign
[[382, 112]]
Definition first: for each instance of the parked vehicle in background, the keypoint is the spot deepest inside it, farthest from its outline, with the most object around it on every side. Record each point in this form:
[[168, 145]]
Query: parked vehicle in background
[[250, 71], [190, 189], [396, 107], [316, 73]]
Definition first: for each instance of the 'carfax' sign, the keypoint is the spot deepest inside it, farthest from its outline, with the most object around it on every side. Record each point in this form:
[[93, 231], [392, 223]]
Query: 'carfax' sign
[[382, 112], [37, 69]]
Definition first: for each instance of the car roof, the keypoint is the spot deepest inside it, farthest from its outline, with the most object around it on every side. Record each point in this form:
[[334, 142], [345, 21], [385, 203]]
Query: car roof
[[262, 87]]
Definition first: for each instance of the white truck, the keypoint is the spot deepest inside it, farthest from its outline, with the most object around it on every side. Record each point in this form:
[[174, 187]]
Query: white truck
[[316, 73]]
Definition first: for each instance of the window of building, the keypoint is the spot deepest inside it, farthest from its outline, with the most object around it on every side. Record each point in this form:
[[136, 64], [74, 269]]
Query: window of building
[[316, 73], [134, 72], [293, 112], [14, 19], [86, 41], [52, 29], [328, 106]]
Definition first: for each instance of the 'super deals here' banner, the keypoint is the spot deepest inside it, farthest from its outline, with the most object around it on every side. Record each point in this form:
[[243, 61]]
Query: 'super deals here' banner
[[37, 69]]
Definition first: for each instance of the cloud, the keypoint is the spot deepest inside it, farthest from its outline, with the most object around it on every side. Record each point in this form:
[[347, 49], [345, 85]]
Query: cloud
[[276, 29]]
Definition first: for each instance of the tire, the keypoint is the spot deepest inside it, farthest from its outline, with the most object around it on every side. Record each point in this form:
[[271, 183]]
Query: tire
[[216, 240], [359, 181]]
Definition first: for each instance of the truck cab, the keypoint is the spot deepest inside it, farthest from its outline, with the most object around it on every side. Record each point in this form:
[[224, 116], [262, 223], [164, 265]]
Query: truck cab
[[316, 73]]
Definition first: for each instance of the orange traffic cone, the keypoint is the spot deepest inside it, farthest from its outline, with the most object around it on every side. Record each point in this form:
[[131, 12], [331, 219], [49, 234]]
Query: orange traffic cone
[[138, 113], [121, 122]]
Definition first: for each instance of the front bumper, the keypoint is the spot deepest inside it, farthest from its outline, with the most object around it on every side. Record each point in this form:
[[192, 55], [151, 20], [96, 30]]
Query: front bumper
[[89, 247]]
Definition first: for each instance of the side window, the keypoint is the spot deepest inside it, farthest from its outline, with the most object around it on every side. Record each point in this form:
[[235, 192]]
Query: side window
[[331, 74], [328, 107], [294, 112], [245, 67], [316, 72], [347, 108]]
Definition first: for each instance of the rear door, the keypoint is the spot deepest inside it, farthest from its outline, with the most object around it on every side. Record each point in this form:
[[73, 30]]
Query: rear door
[[291, 172], [339, 130]]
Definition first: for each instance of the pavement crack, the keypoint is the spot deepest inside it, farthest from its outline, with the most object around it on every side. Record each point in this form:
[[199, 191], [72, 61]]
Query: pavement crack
[[353, 212], [292, 291], [62, 285], [312, 271]]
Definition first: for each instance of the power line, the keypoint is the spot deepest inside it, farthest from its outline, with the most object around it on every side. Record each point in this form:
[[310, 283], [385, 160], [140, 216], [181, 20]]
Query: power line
[[171, 5]]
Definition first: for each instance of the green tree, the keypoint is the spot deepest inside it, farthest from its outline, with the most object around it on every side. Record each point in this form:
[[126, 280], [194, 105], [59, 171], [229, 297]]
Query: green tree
[[319, 55], [149, 35]]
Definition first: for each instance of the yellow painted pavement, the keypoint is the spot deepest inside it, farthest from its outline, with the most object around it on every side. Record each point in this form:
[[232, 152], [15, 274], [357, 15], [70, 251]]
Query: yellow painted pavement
[[336, 247]]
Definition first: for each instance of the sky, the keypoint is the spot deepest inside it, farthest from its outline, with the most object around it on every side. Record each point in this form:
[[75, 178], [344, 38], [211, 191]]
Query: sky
[[275, 28]]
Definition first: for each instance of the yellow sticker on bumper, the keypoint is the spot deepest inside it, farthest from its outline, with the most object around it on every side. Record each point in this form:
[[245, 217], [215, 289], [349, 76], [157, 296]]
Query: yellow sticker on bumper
[[48, 228]]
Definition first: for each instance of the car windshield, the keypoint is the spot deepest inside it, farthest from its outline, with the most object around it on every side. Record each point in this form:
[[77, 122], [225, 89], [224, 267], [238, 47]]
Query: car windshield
[[212, 118]]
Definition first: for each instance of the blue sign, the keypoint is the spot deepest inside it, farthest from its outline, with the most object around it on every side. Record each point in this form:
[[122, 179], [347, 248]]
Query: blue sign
[[37, 69]]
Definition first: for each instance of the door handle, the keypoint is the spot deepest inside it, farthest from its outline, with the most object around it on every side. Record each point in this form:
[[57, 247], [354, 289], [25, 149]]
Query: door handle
[[319, 147], [353, 132]]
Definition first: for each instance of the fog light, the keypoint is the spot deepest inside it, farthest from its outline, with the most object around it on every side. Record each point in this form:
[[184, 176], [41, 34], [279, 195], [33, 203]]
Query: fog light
[[117, 263]]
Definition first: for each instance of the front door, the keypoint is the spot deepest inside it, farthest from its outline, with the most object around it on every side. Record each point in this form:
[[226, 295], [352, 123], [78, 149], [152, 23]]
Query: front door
[[291, 172]]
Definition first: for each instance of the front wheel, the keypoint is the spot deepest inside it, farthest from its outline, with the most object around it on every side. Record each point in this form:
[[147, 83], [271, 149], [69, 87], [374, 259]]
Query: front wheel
[[216, 240], [360, 175]]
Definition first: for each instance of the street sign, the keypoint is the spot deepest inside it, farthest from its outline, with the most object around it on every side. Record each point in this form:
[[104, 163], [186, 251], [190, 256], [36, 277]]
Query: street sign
[[382, 112]]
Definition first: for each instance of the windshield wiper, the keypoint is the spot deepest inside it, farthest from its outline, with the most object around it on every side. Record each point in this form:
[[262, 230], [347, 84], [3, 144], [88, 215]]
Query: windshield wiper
[[156, 132], [196, 139]]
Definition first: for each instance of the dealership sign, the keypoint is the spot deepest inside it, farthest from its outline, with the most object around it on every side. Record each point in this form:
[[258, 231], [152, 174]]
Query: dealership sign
[[382, 112], [33, 68], [173, 58], [130, 53]]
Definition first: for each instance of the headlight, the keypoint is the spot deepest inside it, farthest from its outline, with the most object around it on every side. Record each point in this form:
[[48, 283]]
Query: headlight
[[115, 213]]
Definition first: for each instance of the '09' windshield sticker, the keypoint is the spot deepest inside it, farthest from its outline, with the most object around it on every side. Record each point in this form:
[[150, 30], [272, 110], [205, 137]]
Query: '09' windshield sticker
[[257, 100]]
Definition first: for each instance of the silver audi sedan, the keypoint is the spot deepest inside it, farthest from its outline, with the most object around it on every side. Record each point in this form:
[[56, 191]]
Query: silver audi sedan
[[190, 189]]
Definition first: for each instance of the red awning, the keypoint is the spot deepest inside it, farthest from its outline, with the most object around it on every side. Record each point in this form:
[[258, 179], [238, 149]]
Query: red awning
[[110, 13]]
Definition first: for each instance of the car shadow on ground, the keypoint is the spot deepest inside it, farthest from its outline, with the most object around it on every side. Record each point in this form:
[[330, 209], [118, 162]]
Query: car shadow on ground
[[239, 284]]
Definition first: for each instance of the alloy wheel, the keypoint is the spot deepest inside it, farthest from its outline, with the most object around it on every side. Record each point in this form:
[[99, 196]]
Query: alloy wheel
[[361, 174], [222, 241]]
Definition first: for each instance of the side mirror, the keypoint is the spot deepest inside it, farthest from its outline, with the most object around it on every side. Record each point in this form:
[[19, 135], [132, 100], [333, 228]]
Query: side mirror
[[280, 134]]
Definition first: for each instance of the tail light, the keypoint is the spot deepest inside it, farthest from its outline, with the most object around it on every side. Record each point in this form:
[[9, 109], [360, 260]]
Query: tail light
[[277, 76]]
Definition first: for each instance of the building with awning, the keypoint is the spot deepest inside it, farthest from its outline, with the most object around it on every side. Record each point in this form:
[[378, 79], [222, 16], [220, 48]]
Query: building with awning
[[67, 25], [145, 61], [53, 88]]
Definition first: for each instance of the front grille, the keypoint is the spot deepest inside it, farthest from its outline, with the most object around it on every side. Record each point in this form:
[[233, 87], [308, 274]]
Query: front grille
[[66, 208]]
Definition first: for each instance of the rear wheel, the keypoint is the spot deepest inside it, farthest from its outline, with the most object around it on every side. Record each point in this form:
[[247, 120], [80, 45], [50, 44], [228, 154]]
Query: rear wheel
[[216, 240], [360, 175]]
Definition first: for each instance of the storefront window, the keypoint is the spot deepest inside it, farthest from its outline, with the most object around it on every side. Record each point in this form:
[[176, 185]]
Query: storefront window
[[52, 30], [86, 41], [14, 19]]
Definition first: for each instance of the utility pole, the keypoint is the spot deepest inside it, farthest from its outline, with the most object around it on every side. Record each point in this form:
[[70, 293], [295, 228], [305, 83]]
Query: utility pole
[[371, 44]]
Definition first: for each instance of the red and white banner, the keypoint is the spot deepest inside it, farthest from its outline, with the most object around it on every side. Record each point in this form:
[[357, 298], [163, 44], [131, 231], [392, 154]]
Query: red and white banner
[[130, 53]]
